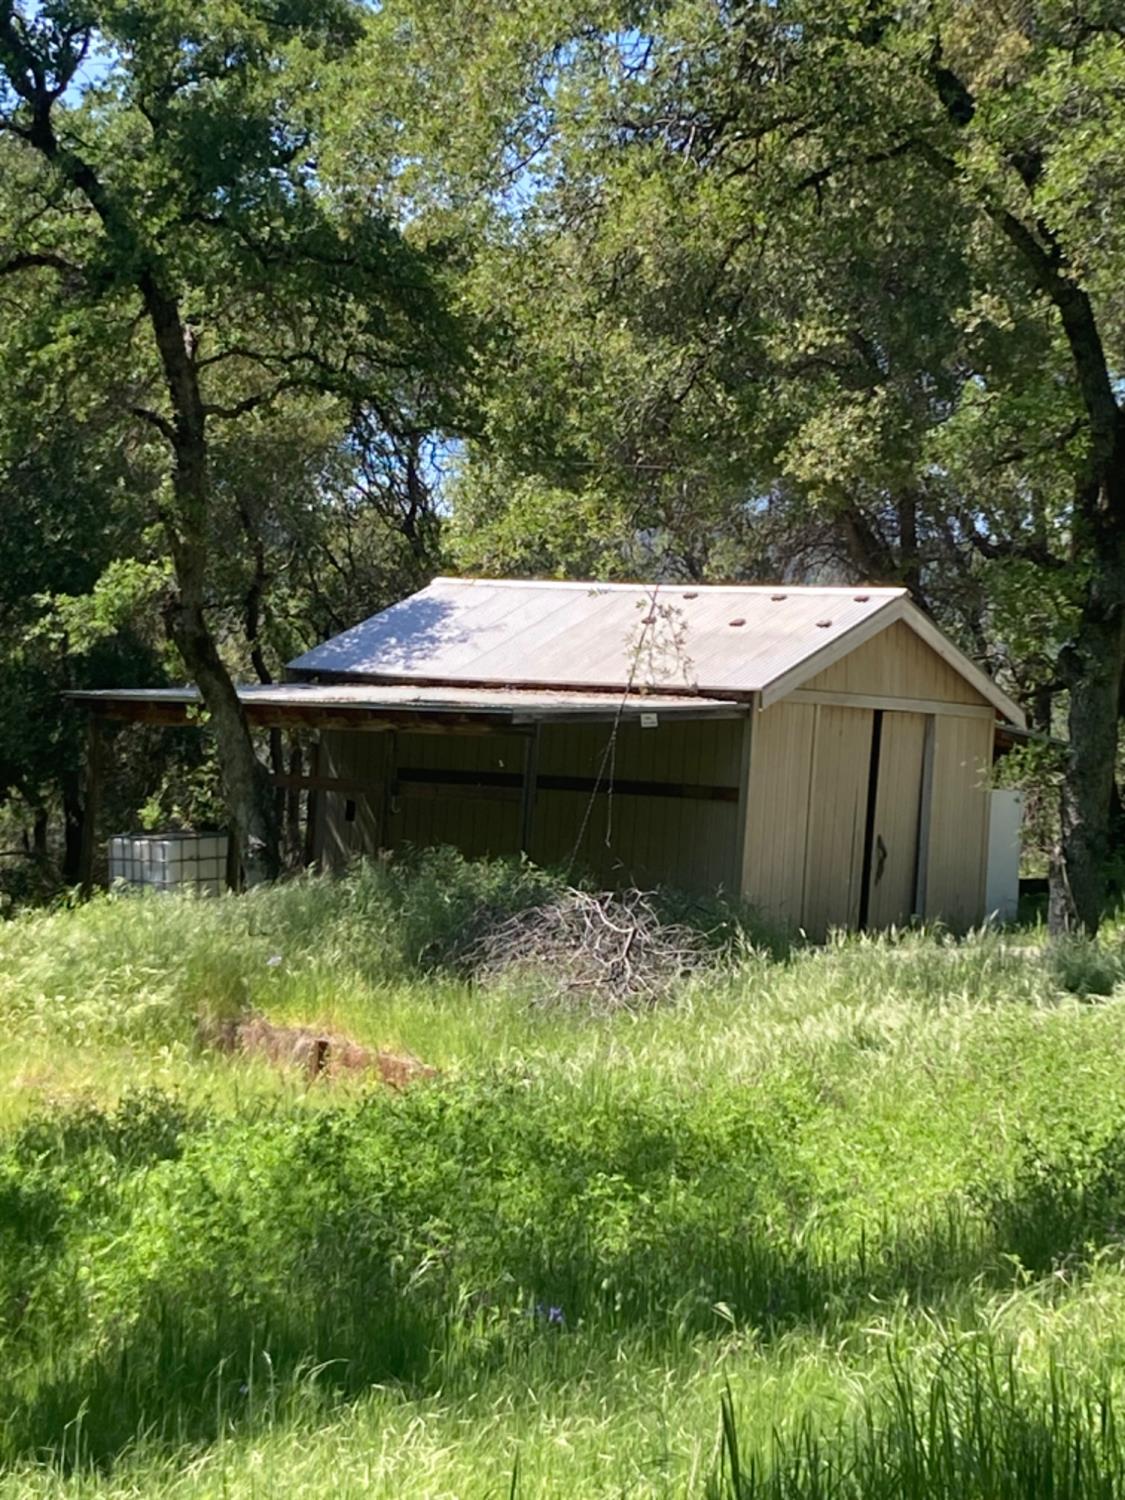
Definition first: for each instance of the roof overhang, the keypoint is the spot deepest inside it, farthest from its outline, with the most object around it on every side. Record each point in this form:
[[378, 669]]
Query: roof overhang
[[374, 707]]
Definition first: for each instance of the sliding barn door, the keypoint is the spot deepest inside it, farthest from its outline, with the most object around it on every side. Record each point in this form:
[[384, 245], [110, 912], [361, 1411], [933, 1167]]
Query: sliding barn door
[[892, 856], [834, 846]]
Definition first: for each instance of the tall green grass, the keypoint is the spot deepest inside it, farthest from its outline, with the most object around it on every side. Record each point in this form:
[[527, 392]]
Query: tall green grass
[[835, 1223], [974, 1430]]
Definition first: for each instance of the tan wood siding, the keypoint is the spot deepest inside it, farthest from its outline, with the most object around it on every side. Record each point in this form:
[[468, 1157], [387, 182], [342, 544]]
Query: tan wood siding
[[894, 863], [638, 839], [958, 829], [896, 663], [773, 872], [837, 819], [629, 838], [360, 760], [480, 822]]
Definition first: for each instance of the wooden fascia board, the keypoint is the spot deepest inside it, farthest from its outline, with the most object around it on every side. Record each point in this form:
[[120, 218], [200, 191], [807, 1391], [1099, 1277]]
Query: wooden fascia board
[[909, 613]]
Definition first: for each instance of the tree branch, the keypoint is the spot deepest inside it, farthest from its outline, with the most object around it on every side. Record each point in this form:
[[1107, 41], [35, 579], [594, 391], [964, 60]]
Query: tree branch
[[1047, 265], [154, 419], [1014, 551], [251, 403], [30, 260]]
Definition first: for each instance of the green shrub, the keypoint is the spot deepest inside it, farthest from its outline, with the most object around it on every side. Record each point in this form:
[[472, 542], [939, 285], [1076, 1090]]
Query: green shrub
[[1083, 966]]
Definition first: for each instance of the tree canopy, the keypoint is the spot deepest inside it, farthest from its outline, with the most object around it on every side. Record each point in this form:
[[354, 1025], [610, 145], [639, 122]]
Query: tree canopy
[[303, 293]]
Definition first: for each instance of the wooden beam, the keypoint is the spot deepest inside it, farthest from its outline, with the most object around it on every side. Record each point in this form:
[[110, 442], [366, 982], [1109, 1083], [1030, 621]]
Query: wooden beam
[[312, 806], [512, 781], [422, 791], [528, 791], [742, 830], [315, 783], [888, 704], [389, 802], [414, 781]]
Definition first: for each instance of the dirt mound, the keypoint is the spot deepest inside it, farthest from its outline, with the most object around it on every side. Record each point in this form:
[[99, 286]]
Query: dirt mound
[[321, 1054]]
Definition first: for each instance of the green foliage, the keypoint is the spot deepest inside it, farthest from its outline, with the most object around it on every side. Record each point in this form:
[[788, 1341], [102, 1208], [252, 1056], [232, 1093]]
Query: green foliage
[[431, 1236], [781, 1185], [973, 1430], [1084, 967], [191, 175]]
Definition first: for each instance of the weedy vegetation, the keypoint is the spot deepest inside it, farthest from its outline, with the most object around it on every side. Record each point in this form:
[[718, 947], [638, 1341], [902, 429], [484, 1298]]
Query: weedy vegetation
[[820, 1224]]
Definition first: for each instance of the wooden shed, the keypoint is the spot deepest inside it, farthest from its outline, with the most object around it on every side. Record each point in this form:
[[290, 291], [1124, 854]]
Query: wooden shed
[[822, 752]]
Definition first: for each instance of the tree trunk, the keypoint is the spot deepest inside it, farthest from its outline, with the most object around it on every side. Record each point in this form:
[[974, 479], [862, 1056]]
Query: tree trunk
[[910, 563], [188, 521], [73, 815], [246, 784], [246, 787], [1092, 668]]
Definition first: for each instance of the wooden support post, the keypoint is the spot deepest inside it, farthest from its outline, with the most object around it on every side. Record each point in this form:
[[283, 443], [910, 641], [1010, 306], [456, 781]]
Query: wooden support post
[[313, 807], [530, 784], [234, 861], [95, 752], [742, 811], [388, 805]]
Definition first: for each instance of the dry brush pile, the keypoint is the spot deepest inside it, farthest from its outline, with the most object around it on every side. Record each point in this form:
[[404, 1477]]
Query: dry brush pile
[[602, 950]]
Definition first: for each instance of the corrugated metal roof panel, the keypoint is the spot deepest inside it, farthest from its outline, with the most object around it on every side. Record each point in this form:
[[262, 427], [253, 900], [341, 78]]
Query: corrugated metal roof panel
[[605, 636]]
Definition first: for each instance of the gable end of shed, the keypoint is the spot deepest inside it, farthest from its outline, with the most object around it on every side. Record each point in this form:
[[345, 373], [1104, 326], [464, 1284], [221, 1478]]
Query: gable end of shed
[[896, 659]]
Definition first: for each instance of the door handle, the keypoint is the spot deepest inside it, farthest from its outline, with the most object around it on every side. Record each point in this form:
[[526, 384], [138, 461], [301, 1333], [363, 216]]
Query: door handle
[[880, 857]]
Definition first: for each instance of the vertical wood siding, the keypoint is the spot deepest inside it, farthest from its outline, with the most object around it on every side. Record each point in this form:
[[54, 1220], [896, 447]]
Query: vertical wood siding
[[958, 833], [629, 838], [773, 870], [635, 839], [806, 817], [837, 819], [359, 759], [482, 823], [896, 663], [898, 801]]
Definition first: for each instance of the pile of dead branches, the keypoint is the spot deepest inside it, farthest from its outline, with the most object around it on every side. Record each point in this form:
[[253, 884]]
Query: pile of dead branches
[[603, 950]]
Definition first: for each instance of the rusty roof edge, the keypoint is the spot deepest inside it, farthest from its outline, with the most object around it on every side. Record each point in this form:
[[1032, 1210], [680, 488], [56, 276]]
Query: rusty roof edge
[[611, 690], [462, 698]]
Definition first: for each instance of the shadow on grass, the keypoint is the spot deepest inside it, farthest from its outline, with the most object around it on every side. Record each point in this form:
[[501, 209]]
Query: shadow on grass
[[435, 1240]]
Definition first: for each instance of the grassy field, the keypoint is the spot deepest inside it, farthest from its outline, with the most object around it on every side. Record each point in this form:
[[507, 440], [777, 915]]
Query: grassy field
[[838, 1223]]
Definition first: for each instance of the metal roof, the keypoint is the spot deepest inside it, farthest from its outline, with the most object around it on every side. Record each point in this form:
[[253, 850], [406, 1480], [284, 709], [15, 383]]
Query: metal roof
[[517, 706], [723, 640]]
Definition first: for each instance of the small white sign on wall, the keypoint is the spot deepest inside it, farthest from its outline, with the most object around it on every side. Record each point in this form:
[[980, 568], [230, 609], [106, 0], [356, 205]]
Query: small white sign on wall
[[649, 721]]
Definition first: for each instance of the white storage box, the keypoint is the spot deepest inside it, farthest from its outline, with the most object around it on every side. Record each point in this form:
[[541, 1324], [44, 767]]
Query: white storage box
[[1002, 891], [170, 861]]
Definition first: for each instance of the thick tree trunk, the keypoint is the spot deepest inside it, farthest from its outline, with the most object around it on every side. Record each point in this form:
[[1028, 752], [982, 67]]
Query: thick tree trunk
[[1092, 668], [134, 258], [246, 784]]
